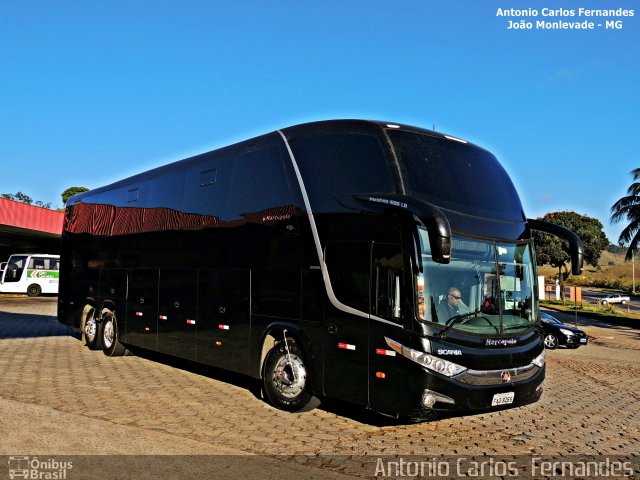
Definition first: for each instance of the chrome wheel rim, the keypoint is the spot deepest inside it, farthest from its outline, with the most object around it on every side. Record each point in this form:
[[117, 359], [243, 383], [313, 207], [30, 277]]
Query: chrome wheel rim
[[550, 341], [90, 328], [290, 376], [108, 334]]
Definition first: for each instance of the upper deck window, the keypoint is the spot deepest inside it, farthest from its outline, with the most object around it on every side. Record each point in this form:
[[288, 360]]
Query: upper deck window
[[208, 177], [341, 164], [133, 195], [258, 183], [456, 176]]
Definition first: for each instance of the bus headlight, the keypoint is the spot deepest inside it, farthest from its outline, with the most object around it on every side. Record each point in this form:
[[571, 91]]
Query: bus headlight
[[541, 359], [437, 364]]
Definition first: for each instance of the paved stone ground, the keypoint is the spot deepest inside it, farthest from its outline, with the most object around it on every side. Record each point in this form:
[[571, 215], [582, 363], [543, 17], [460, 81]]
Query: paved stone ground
[[57, 397]]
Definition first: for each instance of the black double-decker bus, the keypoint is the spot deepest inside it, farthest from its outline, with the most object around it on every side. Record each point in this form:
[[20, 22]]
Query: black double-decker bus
[[380, 264]]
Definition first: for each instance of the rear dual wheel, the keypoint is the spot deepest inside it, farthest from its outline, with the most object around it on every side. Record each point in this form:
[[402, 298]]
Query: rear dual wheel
[[111, 344], [91, 329]]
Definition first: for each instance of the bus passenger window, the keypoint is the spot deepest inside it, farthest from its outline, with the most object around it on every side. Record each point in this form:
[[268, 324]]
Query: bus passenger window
[[37, 263], [208, 177], [258, 184], [133, 195]]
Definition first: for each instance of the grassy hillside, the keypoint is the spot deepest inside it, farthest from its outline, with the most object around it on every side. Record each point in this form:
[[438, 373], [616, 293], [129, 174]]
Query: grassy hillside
[[612, 272]]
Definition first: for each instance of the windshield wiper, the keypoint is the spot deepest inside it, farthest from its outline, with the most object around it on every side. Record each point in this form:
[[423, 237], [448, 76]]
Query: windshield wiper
[[512, 327], [455, 320]]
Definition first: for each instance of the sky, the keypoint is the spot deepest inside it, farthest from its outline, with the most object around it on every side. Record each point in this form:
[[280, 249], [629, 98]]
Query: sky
[[93, 92]]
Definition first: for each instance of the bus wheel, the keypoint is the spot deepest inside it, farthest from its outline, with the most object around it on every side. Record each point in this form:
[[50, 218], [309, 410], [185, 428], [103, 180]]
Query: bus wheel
[[285, 377], [111, 345], [34, 290], [91, 330]]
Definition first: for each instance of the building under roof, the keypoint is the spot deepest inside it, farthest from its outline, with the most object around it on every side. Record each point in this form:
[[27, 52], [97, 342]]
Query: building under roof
[[28, 229]]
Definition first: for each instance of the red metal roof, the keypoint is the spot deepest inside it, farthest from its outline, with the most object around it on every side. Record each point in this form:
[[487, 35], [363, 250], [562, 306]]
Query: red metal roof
[[21, 215]]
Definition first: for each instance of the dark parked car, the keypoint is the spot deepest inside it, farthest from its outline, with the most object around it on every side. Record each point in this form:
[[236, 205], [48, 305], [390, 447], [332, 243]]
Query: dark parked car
[[557, 333]]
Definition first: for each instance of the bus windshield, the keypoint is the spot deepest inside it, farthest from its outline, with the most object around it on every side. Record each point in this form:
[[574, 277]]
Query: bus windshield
[[488, 287]]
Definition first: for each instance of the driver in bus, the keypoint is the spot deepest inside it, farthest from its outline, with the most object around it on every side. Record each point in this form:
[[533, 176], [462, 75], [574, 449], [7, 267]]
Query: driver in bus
[[454, 304]]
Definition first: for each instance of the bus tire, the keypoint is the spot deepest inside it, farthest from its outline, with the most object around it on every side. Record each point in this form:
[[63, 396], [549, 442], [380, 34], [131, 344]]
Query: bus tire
[[286, 378], [34, 290], [111, 345], [91, 329]]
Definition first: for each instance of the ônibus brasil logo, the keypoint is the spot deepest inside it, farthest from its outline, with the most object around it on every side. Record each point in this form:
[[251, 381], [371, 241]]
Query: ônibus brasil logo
[[34, 468]]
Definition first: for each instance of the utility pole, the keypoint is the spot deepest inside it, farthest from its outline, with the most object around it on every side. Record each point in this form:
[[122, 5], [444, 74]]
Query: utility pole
[[633, 273]]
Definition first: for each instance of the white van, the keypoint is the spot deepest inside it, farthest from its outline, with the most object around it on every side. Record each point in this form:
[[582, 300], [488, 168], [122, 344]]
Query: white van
[[31, 273]]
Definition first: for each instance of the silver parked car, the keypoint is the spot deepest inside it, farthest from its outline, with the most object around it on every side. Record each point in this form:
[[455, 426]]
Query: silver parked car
[[615, 299]]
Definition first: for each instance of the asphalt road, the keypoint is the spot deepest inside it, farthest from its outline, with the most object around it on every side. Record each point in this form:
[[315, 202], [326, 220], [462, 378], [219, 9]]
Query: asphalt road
[[595, 295]]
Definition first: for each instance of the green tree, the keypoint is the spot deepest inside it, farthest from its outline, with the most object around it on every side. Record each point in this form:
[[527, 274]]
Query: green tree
[[552, 251], [18, 197], [24, 198], [628, 207], [71, 191]]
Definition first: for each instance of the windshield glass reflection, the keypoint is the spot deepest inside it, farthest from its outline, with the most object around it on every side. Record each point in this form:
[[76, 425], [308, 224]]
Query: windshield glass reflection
[[487, 288]]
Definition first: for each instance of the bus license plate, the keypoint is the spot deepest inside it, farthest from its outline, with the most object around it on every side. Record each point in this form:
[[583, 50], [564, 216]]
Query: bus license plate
[[502, 399]]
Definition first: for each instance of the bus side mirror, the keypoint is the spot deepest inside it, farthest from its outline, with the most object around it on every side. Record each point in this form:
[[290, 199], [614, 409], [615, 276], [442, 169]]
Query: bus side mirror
[[439, 232], [576, 247], [433, 219]]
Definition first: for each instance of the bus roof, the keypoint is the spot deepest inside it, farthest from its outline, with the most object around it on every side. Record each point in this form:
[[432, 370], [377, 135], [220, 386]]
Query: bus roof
[[310, 128]]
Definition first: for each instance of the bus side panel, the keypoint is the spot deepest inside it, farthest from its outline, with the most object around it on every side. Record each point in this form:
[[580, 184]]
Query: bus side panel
[[142, 308], [307, 326], [387, 370], [224, 318], [47, 279], [313, 305], [345, 357], [177, 312], [79, 285]]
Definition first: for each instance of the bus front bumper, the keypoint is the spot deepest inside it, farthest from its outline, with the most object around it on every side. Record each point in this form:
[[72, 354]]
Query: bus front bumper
[[441, 395]]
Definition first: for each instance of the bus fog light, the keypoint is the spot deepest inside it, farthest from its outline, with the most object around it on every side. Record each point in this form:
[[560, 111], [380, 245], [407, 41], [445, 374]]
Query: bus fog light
[[429, 398]]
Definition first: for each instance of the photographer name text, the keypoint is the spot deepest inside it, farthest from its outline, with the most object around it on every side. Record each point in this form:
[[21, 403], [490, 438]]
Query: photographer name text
[[565, 18]]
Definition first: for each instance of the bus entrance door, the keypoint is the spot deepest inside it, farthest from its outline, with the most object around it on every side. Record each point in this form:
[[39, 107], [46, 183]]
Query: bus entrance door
[[387, 297]]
